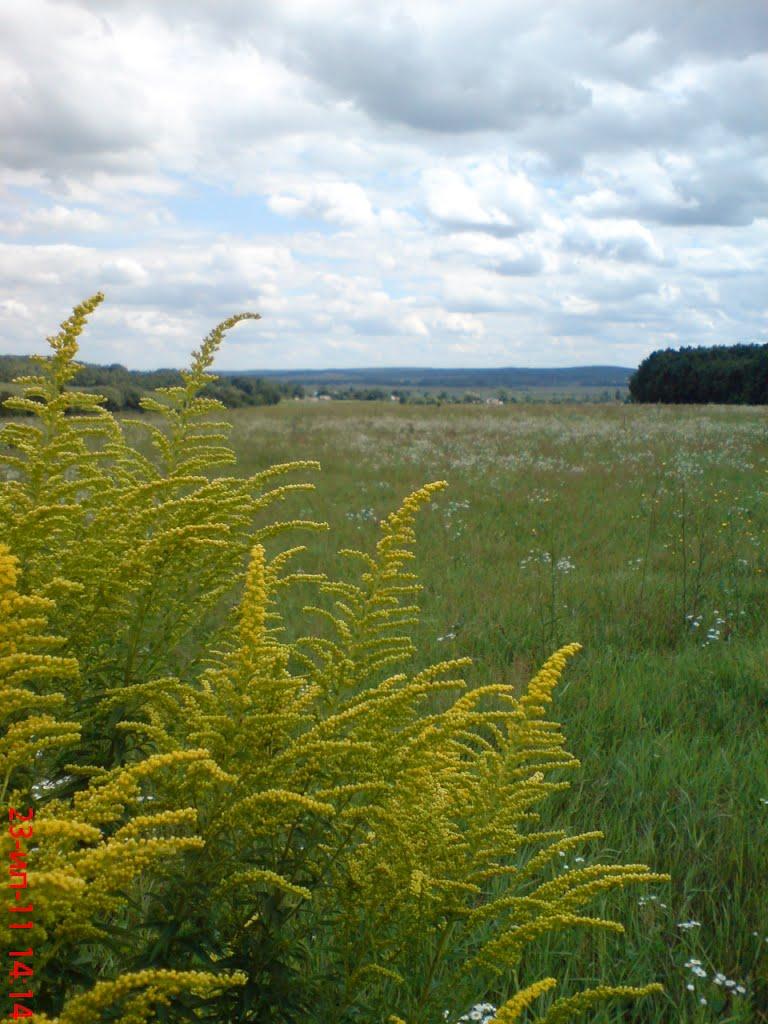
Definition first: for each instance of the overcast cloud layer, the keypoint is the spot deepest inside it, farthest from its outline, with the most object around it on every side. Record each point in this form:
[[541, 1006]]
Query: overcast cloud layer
[[492, 183]]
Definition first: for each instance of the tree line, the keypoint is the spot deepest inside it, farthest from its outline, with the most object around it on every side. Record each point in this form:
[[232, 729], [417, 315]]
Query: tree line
[[725, 374], [123, 389]]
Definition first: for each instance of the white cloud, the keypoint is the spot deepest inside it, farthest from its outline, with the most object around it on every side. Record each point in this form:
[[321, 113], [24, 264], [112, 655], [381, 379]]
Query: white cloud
[[623, 240], [460, 323], [421, 182], [412, 323], [12, 309], [579, 306], [124, 270], [58, 217], [486, 197], [339, 202]]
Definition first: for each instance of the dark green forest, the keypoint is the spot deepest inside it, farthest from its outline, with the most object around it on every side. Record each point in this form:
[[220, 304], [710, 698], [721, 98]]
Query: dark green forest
[[725, 374], [123, 388]]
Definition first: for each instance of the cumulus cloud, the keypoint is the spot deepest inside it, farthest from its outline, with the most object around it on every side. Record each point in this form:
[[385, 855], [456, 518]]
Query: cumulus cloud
[[412, 67], [485, 197], [536, 182], [339, 202], [56, 218], [626, 241], [460, 323], [525, 264], [717, 187]]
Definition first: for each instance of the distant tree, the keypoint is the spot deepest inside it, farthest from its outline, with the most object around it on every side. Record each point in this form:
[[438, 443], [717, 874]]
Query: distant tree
[[124, 389], [726, 374]]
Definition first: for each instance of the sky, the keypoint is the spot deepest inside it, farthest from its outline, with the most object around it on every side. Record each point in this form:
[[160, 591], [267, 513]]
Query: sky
[[485, 183]]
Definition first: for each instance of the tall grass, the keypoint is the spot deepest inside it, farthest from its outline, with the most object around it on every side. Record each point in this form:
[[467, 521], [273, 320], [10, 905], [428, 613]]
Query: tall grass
[[641, 533]]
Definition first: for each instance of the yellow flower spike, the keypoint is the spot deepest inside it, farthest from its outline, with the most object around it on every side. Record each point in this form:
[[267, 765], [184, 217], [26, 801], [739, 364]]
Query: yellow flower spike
[[253, 606], [511, 1011], [90, 1007], [564, 1011]]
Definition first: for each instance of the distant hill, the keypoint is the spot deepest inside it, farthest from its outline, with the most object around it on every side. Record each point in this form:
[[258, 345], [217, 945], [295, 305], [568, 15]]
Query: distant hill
[[124, 389], [433, 377]]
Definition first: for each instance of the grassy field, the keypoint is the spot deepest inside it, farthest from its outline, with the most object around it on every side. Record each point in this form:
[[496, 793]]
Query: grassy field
[[641, 533]]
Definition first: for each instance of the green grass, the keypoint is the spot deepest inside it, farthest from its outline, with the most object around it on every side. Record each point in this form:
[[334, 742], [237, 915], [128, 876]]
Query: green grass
[[612, 526]]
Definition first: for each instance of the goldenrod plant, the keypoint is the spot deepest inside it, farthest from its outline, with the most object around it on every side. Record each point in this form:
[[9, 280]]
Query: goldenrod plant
[[79, 858], [235, 824]]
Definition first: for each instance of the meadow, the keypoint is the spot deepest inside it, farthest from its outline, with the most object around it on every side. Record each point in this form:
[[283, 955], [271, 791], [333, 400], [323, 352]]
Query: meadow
[[640, 533]]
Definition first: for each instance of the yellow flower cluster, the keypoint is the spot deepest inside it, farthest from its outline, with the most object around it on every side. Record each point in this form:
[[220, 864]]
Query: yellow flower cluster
[[513, 1009], [9, 574], [153, 987], [75, 874], [361, 838]]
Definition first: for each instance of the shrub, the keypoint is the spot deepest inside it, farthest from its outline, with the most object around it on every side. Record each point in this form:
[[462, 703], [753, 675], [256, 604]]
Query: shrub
[[232, 824]]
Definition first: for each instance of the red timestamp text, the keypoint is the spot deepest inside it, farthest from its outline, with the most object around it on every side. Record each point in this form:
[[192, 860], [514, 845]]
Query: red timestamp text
[[21, 969]]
